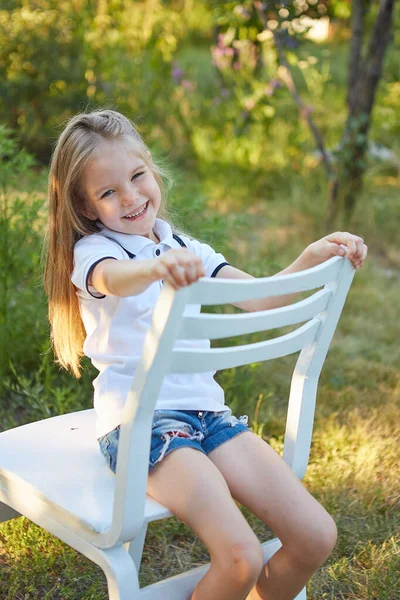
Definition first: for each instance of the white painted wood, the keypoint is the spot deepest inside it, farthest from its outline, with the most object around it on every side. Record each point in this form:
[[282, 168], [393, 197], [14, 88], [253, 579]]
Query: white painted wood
[[116, 563], [7, 513], [180, 586], [302, 595], [135, 547], [63, 457], [213, 327], [194, 361], [305, 378], [229, 291], [135, 433], [52, 471]]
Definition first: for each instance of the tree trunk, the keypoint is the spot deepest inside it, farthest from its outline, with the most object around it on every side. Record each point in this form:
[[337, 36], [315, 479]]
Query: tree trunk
[[364, 76]]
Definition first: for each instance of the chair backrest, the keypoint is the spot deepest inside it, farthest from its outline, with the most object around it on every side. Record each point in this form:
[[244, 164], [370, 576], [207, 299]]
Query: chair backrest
[[319, 314]]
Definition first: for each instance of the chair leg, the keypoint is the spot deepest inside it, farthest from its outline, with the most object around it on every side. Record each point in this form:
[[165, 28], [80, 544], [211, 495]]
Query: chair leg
[[269, 548], [302, 595], [135, 547], [120, 571], [7, 513]]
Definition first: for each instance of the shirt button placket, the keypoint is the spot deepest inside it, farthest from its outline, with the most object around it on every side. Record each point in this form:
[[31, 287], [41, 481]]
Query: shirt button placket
[[157, 252]]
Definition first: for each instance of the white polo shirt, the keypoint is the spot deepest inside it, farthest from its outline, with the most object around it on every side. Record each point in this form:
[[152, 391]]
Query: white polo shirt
[[116, 327]]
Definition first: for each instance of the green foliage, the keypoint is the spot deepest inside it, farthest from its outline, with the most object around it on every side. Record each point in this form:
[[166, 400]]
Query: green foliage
[[59, 58], [341, 9], [42, 50], [19, 255]]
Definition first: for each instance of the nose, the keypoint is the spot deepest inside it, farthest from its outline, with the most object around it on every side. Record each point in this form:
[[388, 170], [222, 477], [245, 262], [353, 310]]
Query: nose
[[129, 196]]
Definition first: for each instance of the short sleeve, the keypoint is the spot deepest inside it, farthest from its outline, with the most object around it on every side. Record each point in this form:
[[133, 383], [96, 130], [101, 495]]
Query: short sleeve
[[212, 261], [88, 252]]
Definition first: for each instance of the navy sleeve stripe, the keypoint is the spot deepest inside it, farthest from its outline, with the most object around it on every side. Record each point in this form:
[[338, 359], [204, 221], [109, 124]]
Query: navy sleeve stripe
[[217, 269], [89, 273]]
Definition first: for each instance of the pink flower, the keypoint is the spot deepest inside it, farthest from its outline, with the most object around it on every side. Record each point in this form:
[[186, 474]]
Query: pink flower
[[177, 74], [188, 85]]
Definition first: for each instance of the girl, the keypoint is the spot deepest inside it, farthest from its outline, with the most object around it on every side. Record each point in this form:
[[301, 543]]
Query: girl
[[109, 251]]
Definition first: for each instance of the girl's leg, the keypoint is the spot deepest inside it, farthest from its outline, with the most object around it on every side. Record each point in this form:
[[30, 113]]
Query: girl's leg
[[190, 485], [261, 480]]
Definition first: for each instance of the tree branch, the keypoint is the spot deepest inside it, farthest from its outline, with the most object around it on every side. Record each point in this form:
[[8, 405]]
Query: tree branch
[[285, 74]]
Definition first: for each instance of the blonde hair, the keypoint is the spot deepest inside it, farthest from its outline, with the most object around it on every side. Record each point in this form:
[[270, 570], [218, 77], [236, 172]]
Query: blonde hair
[[66, 223]]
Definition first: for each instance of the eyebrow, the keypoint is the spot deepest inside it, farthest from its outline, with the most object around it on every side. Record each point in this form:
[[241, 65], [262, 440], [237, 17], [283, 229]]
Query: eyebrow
[[107, 187]]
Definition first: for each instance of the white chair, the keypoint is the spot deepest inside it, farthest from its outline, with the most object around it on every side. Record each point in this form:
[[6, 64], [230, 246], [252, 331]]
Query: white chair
[[52, 471]]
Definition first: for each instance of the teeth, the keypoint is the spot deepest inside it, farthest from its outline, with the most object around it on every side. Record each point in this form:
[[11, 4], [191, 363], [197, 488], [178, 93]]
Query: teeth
[[137, 213]]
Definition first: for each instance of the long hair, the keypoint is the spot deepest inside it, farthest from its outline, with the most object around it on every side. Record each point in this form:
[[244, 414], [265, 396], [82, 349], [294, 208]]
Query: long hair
[[66, 223]]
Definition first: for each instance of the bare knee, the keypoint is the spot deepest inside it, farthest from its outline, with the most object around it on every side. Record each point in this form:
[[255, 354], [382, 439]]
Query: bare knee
[[242, 561], [325, 541], [314, 548]]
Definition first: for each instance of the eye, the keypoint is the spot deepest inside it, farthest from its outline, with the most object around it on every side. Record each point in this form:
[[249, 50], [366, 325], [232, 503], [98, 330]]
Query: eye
[[106, 194], [136, 175]]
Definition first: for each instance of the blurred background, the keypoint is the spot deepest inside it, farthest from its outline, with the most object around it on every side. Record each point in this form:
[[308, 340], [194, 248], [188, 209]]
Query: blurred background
[[280, 123]]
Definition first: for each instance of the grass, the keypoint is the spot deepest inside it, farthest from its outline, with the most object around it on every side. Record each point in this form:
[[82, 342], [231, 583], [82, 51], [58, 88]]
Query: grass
[[262, 217]]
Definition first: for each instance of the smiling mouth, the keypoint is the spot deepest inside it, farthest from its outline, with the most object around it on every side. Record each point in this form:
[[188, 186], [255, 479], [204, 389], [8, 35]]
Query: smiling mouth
[[137, 214]]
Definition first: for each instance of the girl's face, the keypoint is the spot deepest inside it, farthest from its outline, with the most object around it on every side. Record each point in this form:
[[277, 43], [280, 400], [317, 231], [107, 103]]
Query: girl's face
[[121, 190]]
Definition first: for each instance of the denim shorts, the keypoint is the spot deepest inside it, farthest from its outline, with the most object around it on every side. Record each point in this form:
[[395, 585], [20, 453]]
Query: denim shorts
[[173, 429]]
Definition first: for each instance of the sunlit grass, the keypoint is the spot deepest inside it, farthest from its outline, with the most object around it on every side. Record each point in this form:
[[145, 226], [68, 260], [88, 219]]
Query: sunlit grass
[[372, 572]]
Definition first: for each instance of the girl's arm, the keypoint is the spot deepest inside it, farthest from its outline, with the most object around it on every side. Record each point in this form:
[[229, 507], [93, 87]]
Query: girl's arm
[[131, 277], [335, 244]]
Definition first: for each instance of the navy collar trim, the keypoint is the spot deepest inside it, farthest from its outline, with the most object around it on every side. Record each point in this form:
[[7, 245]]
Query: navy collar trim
[[130, 254]]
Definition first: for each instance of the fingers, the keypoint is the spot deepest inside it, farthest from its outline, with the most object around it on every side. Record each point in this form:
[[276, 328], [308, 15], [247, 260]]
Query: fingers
[[350, 245], [363, 256], [181, 268]]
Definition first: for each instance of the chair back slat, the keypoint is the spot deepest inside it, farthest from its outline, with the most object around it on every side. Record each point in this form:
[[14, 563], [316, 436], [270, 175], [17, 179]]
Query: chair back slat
[[216, 359], [213, 327], [230, 291]]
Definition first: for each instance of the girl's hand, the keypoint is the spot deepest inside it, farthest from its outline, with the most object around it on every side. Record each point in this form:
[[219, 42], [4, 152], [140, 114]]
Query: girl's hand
[[340, 243], [178, 268]]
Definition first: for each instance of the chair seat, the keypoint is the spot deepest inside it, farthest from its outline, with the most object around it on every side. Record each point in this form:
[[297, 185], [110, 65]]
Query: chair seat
[[60, 460]]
